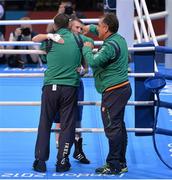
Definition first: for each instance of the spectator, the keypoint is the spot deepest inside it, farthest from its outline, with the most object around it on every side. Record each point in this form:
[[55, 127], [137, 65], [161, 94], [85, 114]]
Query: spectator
[[109, 6], [69, 8], [23, 33]]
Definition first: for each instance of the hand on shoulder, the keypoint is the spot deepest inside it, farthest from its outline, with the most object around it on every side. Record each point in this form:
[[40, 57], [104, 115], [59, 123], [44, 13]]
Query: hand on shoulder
[[56, 38]]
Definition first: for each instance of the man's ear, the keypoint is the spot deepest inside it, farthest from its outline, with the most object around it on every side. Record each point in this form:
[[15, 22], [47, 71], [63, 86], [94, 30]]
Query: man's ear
[[106, 28], [55, 27]]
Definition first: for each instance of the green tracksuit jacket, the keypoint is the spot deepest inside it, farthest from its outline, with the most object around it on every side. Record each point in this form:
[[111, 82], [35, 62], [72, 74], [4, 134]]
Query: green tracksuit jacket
[[63, 60], [108, 74]]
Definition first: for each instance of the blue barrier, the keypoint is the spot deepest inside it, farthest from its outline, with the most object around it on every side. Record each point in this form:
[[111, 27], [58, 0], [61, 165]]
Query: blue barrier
[[144, 63]]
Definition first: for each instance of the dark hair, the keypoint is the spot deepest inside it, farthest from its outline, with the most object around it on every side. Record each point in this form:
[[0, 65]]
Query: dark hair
[[75, 18], [61, 21], [111, 20]]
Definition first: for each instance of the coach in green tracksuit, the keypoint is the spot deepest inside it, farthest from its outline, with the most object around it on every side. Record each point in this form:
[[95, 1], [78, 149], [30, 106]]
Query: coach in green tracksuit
[[110, 70], [59, 94]]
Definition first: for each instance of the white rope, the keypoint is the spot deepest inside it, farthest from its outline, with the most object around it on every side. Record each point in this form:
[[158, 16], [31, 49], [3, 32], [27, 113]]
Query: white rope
[[137, 31], [141, 74], [42, 21], [30, 43], [21, 51], [85, 130], [90, 103], [155, 16], [86, 21], [151, 29], [161, 37], [19, 43], [21, 75], [19, 22], [25, 51], [35, 75], [142, 23], [149, 22], [141, 49]]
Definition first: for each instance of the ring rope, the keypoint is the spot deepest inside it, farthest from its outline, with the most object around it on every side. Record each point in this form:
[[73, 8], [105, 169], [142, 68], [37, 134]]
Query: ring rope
[[30, 43], [96, 43], [34, 75], [86, 21], [19, 43], [159, 49], [85, 130], [21, 51], [21, 75], [42, 21], [95, 103]]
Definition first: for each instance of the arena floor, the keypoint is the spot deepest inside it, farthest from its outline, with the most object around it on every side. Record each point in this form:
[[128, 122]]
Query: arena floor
[[17, 149]]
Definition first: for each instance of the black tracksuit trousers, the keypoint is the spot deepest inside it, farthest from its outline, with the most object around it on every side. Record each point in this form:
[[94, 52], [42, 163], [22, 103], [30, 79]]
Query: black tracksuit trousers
[[62, 99], [112, 111]]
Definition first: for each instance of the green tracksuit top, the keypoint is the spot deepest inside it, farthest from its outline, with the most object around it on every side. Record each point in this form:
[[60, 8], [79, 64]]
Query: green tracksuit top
[[63, 61], [108, 74]]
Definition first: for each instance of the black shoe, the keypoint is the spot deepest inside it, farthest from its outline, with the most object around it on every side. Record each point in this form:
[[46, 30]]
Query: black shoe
[[81, 158], [123, 167], [39, 166], [106, 169], [63, 165], [78, 153]]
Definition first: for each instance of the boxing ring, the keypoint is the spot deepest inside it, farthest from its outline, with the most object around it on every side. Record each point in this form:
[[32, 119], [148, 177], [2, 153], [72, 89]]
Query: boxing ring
[[17, 154], [20, 93]]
